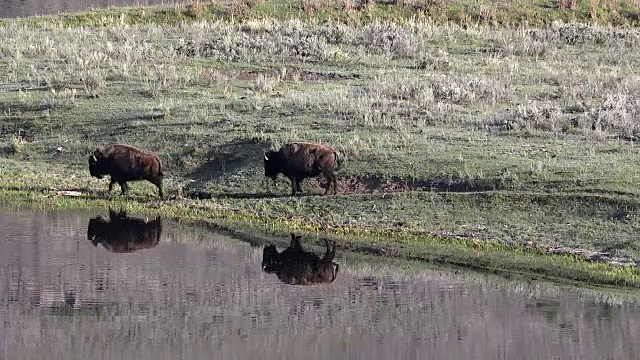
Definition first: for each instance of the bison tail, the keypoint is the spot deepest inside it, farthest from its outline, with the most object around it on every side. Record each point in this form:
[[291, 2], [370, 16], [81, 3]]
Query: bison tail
[[339, 160], [159, 167], [335, 273]]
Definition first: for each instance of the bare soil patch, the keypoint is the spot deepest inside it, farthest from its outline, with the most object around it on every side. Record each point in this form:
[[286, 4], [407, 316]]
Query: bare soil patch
[[358, 184], [289, 74], [372, 184]]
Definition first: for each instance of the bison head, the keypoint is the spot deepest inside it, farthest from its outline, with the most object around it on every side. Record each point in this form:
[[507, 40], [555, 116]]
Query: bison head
[[272, 164], [270, 257], [97, 165], [96, 230]]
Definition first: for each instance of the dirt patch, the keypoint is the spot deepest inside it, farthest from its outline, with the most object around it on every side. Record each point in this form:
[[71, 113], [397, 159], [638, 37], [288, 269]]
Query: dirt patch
[[289, 74], [372, 184], [354, 185]]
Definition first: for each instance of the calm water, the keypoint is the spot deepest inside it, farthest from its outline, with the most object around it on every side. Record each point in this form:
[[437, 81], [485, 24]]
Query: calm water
[[21, 8], [199, 295]]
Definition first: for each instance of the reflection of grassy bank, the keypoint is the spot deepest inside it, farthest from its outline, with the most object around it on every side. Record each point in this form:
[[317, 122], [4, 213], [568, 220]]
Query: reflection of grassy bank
[[197, 299], [515, 137], [483, 255], [377, 274]]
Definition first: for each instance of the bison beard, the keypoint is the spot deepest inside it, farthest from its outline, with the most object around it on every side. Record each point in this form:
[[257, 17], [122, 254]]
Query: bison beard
[[126, 163], [298, 161]]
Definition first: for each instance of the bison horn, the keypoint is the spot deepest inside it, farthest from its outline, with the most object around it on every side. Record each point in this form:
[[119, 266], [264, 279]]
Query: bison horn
[[265, 157], [94, 158]]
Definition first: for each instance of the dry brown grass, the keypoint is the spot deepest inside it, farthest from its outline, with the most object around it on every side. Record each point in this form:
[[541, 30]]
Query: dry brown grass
[[311, 6], [568, 4], [241, 7], [594, 4], [349, 5], [196, 9]]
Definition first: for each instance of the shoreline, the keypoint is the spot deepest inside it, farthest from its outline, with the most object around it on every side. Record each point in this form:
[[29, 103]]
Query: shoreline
[[466, 253]]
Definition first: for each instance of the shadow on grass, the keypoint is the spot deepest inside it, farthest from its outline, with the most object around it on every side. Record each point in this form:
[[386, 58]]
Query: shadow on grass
[[16, 111], [370, 184], [229, 158], [614, 246], [23, 108], [203, 195], [374, 184], [6, 150], [233, 157]]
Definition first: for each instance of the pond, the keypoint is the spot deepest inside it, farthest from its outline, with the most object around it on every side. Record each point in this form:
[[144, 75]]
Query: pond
[[22, 8], [114, 286]]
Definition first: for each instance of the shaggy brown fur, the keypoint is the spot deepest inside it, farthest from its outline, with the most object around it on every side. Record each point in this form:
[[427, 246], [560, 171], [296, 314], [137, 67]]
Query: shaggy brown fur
[[126, 163], [298, 161]]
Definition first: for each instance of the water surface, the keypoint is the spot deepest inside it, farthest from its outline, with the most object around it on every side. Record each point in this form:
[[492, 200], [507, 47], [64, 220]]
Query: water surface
[[199, 295], [22, 8]]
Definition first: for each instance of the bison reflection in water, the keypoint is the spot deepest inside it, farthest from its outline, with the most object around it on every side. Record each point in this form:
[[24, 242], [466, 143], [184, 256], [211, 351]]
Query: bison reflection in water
[[124, 234], [296, 266]]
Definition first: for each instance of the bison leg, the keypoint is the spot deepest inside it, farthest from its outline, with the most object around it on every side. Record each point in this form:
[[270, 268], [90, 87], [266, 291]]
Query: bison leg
[[331, 180], [111, 184], [295, 242], [299, 185], [124, 187], [330, 253], [294, 186], [158, 184]]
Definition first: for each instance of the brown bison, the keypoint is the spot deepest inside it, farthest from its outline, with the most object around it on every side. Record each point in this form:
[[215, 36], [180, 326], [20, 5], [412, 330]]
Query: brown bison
[[296, 266], [124, 234], [298, 161], [126, 163]]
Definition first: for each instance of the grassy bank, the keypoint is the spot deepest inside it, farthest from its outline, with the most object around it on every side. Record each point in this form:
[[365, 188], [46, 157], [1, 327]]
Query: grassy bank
[[462, 143], [500, 13], [38, 190]]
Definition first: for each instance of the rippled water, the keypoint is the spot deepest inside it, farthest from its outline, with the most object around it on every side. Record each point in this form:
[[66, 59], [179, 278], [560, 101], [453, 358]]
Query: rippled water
[[200, 295], [21, 8]]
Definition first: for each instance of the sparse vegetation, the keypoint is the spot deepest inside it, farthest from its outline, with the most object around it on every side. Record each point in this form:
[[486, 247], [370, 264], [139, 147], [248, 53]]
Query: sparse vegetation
[[513, 137]]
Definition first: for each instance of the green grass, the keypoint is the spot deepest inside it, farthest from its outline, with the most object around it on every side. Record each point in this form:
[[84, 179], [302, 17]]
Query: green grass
[[462, 143], [463, 12]]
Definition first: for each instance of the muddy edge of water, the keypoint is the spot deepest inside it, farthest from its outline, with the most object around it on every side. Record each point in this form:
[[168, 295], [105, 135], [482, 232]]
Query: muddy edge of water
[[24, 8]]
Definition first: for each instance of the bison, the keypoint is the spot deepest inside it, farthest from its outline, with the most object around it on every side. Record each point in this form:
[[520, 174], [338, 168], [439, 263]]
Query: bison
[[298, 161], [124, 234], [296, 266], [126, 163]]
